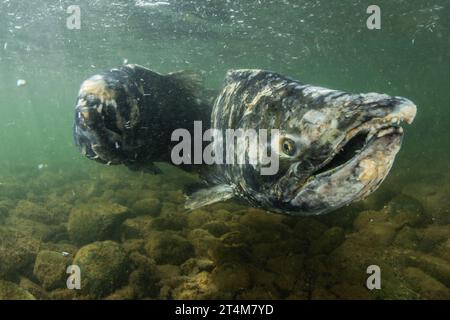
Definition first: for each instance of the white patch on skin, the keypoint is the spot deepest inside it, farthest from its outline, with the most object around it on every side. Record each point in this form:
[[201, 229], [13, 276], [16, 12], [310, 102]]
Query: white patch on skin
[[314, 117], [315, 92], [96, 86], [369, 171]]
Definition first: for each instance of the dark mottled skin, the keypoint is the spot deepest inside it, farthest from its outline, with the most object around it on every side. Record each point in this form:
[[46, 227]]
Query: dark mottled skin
[[319, 122], [135, 126]]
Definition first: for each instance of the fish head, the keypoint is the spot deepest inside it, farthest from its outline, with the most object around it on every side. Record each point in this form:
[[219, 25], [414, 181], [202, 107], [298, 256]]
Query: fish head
[[335, 147], [95, 134]]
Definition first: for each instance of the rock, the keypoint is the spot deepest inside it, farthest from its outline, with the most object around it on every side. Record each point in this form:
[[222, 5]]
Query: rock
[[428, 287], [176, 197], [224, 253], [169, 221], [309, 228], [66, 294], [5, 208], [434, 266], [349, 291], [443, 250], [231, 278], [17, 252], [432, 236], [261, 226], [365, 218], [134, 245], [50, 269], [137, 228], [60, 248], [103, 267], [193, 266], [197, 218], [37, 230], [33, 211], [169, 248], [287, 270], [375, 232], [127, 197], [216, 228], [167, 271], [202, 241], [329, 241], [404, 210], [33, 288], [407, 238], [352, 258], [148, 206], [433, 197], [125, 293], [95, 221], [11, 291], [143, 279], [197, 287]]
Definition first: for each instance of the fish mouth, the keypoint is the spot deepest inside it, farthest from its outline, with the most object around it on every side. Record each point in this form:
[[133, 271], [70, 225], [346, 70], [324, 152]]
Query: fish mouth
[[360, 138], [363, 161]]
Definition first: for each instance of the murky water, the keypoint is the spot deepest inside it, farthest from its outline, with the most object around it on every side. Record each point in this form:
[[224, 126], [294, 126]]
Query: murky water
[[129, 232]]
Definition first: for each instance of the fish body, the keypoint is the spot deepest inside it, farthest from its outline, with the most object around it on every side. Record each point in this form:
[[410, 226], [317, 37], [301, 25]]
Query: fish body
[[127, 115], [333, 147]]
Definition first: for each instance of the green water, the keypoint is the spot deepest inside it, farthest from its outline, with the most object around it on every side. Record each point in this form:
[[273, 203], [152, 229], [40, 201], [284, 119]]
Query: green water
[[233, 251]]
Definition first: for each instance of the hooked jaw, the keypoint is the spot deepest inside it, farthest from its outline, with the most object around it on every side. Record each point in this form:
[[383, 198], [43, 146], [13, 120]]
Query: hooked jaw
[[360, 163]]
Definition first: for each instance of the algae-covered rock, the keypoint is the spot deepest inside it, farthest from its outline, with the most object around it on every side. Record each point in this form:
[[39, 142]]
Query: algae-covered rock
[[35, 229], [407, 238], [375, 229], [329, 241], [287, 270], [197, 287], [193, 266], [405, 210], [424, 284], [202, 241], [135, 228], [231, 278], [33, 211], [95, 221], [169, 221], [433, 197], [33, 288], [144, 278], [216, 228], [11, 291], [434, 266], [147, 206], [17, 252], [169, 248], [50, 269], [432, 236], [224, 253], [125, 293], [103, 267]]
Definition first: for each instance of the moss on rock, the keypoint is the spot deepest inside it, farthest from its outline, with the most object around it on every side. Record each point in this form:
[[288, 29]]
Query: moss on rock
[[50, 269], [95, 222], [103, 267]]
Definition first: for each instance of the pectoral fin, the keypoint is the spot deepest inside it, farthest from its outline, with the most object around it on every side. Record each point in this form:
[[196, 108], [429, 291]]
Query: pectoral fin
[[209, 196]]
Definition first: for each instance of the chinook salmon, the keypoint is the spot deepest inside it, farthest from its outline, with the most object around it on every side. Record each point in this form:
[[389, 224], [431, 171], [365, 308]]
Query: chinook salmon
[[333, 147]]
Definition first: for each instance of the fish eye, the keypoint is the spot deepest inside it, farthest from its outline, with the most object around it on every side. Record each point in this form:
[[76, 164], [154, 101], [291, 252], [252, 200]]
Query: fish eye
[[288, 147]]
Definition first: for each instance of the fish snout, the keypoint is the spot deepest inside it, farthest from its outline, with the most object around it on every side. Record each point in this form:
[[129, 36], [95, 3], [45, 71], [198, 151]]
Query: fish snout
[[388, 110]]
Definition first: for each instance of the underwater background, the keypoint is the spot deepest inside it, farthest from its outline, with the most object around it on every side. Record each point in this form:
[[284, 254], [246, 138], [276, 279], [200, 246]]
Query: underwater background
[[129, 232]]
